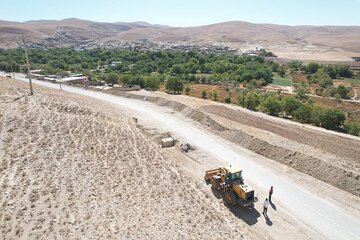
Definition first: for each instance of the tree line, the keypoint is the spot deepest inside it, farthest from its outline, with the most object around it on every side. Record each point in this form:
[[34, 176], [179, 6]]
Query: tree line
[[222, 67]]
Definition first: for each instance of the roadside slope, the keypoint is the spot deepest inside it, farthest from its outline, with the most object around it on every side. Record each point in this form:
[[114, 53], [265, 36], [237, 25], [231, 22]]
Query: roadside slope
[[76, 168], [299, 197], [327, 156]]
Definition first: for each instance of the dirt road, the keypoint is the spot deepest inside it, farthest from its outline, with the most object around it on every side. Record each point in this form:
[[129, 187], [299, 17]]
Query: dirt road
[[316, 210]]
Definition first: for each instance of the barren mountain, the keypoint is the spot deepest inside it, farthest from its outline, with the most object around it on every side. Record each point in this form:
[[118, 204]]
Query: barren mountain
[[303, 42]]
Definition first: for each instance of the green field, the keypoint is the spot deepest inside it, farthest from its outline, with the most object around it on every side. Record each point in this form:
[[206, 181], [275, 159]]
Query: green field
[[355, 82], [281, 81]]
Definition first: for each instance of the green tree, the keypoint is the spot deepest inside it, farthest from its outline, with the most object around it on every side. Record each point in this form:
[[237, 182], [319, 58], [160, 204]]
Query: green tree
[[316, 115], [332, 119], [322, 78], [174, 84], [270, 105], [331, 71], [295, 65], [303, 114], [312, 67], [112, 78], [152, 83], [289, 105], [90, 75], [177, 69], [281, 71], [343, 71], [252, 101]]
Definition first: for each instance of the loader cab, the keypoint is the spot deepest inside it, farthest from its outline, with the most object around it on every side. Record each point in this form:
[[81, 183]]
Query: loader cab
[[233, 173]]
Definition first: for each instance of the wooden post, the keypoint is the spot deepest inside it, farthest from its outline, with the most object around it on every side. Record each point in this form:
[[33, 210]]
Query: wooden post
[[28, 67]]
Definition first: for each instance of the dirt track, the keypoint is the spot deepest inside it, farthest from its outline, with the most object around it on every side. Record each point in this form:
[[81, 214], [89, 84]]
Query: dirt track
[[72, 169]]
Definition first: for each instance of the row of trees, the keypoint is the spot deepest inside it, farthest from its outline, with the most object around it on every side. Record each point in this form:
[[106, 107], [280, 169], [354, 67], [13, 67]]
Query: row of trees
[[291, 107], [223, 67], [334, 70]]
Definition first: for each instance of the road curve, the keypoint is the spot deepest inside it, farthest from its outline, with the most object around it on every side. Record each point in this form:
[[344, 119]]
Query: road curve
[[329, 220]]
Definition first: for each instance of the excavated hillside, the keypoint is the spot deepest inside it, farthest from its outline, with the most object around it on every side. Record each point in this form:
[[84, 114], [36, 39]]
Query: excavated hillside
[[74, 168]]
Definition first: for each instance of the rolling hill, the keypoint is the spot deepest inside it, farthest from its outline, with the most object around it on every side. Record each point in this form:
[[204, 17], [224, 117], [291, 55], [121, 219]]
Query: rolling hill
[[336, 43]]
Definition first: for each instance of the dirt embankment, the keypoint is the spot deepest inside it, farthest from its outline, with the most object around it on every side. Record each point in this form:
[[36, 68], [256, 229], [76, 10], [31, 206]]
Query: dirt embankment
[[74, 168], [343, 175]]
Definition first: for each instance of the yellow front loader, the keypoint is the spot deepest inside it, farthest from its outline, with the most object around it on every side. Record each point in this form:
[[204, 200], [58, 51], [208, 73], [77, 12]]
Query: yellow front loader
[[230, 182]]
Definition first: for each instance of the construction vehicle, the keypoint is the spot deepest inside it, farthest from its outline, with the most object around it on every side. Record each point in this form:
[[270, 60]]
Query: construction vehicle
[[229, 181]]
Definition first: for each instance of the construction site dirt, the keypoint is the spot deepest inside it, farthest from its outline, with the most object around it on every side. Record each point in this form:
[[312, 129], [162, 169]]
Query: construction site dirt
[[81, 134]]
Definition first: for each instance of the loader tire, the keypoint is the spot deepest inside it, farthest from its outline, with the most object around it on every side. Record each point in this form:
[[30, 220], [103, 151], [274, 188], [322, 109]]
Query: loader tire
[[230, 198]]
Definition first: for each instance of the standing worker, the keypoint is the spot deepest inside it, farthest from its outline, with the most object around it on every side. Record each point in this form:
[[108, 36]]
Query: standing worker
[[270, 193], [266, 205]]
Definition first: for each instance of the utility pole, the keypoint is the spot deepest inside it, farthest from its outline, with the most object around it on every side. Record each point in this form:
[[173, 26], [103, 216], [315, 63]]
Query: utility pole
[[12, 71], [28, 67]]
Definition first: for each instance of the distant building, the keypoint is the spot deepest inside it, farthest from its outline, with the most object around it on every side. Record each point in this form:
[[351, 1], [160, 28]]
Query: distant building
[[37, 76], [75, 80], [114, 63]]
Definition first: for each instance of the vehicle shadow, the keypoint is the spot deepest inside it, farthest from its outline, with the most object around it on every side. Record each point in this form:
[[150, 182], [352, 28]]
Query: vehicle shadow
[[217, 193], [248, 214]]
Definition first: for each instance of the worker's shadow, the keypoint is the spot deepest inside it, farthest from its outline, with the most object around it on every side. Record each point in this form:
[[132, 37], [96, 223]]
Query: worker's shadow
[[273, 205], [268, 221]]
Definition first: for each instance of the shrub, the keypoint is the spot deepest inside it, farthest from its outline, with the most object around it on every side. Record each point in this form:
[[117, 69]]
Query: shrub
[[241, 99], [301, 93], [187, 90], [343, 91], [215, 96], [227, 99], [203, 94], [353, 129]]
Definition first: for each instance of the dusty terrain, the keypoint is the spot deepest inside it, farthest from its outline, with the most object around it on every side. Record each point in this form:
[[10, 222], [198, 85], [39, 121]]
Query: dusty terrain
[[74, 168], [328, 156], [326, 43], [111, 180]]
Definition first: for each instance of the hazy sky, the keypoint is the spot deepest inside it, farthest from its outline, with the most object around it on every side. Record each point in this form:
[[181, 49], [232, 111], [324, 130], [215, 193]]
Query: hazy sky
[[188, 12]]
